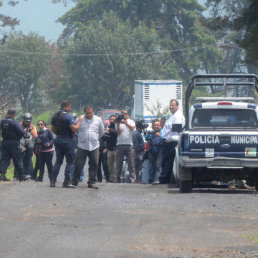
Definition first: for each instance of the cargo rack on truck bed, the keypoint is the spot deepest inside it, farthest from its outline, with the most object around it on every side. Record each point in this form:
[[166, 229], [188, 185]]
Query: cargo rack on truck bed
[[220, 80], [234, 99]]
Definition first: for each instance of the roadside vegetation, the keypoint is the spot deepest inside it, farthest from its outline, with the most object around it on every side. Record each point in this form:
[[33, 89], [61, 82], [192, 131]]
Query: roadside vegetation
[[99, 55]]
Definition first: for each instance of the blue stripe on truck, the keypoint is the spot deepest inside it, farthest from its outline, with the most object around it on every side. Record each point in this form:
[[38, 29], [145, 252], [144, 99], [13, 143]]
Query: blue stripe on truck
[[197, 105], [253, 106]]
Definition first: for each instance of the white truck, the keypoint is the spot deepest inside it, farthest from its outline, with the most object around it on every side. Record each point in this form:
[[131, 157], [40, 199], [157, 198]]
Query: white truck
[[221, 134], [151, 98]]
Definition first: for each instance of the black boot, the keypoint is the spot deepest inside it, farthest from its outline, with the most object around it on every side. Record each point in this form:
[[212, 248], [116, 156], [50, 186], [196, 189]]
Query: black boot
[[21, 178], [4, 178], [67, 183], [52, 181]]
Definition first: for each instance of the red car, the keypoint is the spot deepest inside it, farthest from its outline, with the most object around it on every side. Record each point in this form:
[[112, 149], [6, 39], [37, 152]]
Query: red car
[[106, 113]]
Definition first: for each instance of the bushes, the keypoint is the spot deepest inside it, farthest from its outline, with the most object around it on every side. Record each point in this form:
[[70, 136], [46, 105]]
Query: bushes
[[46, 117]]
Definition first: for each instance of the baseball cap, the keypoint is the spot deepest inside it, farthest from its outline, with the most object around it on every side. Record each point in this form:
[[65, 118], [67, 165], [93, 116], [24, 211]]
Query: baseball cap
[[11, 111]]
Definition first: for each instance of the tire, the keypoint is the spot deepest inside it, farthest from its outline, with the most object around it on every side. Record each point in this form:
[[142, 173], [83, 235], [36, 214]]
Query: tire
[[256, 181], [185, 186], [176, 172]]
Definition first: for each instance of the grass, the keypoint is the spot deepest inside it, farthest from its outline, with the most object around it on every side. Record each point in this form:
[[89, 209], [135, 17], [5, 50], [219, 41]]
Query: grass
[[46, 117], [252, 238]]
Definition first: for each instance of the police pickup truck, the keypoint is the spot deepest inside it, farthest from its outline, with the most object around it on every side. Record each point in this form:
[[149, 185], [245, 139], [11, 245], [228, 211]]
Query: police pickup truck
[[220, 139]]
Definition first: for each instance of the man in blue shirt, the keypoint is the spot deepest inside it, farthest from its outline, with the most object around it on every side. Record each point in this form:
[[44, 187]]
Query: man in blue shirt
[[63, 126], [12, 132], [155, 154]]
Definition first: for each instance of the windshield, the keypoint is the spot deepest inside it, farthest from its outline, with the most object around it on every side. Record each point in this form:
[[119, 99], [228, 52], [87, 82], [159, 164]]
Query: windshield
[[224, 118]]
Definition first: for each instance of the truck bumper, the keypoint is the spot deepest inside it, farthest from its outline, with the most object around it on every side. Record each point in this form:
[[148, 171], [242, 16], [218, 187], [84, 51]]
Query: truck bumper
[[218, 162]]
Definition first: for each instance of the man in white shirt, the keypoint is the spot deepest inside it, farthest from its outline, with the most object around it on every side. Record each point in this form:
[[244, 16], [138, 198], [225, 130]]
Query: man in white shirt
[[89, 132], [169, 145], [124, 147]]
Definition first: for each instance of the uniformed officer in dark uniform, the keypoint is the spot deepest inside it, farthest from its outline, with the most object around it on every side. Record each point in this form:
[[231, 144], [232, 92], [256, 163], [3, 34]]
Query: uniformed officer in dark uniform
[[63, 126], [12, 132]]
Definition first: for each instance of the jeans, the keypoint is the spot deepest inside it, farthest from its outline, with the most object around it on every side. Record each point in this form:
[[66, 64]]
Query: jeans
[[128, 152], [27, 161], [103, 162], [11, 150], [82, 173], [45, 158], [138, 161], [111, 160], [156, 166], [64, 148], [168, 156], [146, 171], [80, 159]]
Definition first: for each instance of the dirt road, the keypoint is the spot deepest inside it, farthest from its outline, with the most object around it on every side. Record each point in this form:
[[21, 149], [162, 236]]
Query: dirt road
[[126, 220]]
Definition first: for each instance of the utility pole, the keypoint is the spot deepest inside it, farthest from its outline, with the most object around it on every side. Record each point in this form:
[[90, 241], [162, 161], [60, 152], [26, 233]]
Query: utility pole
[[228, 49]]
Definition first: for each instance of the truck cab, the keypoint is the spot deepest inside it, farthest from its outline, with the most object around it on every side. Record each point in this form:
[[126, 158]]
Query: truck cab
[[221, 136]]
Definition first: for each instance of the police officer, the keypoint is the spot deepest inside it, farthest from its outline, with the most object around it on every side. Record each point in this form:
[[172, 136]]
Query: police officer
[[63, 126], [12, 132]]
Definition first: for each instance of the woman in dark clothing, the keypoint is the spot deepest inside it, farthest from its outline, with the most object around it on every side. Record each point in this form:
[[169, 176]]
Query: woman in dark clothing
[[45, 141]]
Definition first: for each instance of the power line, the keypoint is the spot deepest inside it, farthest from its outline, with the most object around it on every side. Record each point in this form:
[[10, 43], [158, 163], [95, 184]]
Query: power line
[[106, 54]]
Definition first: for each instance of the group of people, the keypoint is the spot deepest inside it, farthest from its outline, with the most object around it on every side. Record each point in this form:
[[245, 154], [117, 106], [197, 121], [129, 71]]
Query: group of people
[[19, 142], [86, 138]]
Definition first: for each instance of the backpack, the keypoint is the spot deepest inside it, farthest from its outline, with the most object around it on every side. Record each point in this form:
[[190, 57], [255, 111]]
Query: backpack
[[58, 123]]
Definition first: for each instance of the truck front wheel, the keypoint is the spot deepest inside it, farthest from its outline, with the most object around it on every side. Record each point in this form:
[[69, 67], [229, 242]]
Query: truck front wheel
[[185, 186]]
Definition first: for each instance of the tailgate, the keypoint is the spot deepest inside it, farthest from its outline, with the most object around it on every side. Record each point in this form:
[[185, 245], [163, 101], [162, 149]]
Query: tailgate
[[223, 144]]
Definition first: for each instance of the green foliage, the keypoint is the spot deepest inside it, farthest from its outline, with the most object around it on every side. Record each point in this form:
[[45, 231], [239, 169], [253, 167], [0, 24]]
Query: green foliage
[[177, 24], [5, 20], [45, 116], [109, 72], [23, 62], [249, 22], [238, 16]]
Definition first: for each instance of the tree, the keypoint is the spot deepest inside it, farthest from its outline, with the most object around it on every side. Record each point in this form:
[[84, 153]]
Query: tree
[[109, 70], [177, 22], [237, 15], [6, 20], [158, 111], [24, 60]]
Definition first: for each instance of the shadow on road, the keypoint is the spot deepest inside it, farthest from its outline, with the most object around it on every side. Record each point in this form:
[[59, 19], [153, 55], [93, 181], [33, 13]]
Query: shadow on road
[[215, 191]]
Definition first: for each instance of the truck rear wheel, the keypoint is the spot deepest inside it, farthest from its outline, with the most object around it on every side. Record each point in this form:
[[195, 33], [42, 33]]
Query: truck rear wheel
[[185, 186], [256, 180]]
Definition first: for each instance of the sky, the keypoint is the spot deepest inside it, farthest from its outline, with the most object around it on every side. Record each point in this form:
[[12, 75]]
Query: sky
[[38, 16]]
